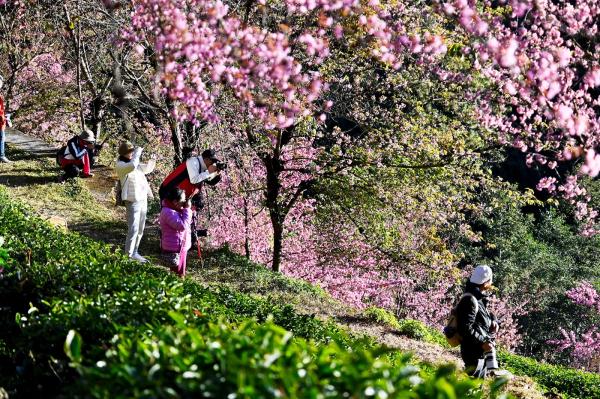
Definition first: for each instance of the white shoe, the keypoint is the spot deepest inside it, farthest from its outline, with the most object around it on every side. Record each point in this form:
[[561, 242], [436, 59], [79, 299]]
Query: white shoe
[[139, 258], [500, 373], [5, 160]]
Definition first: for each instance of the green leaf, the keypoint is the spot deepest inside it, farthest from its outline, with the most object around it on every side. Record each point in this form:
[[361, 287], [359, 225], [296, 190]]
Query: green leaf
[[178, 318], [73, 346]]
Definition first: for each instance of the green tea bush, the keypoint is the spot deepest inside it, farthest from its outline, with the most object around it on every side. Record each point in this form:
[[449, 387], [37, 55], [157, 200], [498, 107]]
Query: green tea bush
[[253, 361], [382, 316], [418, 330], [571, 383], [80, 320]]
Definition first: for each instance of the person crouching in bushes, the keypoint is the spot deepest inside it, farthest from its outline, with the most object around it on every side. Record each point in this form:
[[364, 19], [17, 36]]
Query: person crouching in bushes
[[74, 158], [175, 227], [135, 192], [478, 326]]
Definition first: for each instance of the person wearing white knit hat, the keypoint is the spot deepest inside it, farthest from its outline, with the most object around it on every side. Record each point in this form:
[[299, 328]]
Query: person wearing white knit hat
[[477, 326], [481, 275]]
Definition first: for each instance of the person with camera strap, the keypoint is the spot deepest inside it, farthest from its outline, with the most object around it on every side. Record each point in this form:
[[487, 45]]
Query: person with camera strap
[[189, 177], [191, 174]]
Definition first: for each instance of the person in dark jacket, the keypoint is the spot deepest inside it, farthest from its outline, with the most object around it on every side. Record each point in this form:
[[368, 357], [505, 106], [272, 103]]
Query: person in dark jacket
[[478, 326]]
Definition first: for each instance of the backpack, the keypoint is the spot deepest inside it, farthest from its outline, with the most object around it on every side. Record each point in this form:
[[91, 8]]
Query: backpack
[[451, 330]]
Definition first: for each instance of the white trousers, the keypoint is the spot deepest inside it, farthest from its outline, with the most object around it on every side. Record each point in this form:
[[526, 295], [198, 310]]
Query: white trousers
[[136, 221]]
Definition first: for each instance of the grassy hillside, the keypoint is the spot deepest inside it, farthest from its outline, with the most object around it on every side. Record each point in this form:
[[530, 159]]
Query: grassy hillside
[[138, 331]]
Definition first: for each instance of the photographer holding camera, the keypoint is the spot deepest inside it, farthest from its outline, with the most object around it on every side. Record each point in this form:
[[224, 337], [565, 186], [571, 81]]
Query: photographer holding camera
[[190, 175], [77, 157]]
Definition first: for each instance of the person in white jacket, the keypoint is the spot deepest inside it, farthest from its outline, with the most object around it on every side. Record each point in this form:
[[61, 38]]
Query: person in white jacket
[[135, 192]]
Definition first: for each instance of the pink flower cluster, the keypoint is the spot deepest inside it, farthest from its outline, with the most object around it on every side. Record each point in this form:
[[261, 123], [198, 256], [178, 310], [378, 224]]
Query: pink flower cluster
[[38, 93], [584, 346], [543, 55], [203, 49]]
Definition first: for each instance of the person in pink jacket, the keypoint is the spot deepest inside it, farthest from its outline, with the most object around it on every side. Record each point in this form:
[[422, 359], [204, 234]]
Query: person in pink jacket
[[175, 221]]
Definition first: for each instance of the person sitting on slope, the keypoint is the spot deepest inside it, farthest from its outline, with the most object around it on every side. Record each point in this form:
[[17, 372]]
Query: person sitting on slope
[[76, 158]]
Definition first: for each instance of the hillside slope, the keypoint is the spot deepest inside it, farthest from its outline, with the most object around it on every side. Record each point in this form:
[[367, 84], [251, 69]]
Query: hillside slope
[[86, 207]]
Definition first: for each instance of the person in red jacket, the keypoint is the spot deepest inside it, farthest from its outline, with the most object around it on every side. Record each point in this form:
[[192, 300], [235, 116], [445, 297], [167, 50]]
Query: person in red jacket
[[3, 121], [190, 175]]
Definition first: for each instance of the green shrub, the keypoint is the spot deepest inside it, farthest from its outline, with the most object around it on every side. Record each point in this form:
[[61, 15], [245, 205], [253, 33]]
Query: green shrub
[[418, 330], [252, 361], [382, 316], [411, 328]]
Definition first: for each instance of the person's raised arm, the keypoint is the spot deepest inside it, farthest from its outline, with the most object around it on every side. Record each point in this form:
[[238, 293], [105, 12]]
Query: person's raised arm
[[148, 167], [193, 168], [76, 152], [124, 168], [137, 154]]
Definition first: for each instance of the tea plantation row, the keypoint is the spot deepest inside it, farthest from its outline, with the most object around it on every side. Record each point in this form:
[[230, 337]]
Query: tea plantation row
[[80, 321]]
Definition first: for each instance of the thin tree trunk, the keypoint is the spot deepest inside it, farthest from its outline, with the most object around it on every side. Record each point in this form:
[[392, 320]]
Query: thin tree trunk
[[175, 134], [76, 38], [176, 139], [246, 230]]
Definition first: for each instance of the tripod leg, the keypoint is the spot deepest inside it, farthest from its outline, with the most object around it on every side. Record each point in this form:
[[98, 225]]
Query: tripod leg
[[199, 252]]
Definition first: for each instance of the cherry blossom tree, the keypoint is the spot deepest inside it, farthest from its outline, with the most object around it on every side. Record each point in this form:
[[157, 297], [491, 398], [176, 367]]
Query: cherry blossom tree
[[36, 77]]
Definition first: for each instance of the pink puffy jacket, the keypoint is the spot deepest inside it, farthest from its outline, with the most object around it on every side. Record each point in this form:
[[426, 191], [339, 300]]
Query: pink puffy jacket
[[175, 228]]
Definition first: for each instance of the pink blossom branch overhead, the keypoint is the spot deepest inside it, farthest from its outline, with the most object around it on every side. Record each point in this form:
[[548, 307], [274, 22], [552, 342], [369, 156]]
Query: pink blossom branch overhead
[[542, 55]]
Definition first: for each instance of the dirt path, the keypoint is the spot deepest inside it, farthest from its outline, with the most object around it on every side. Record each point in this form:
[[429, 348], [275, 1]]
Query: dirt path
[[35, 170]]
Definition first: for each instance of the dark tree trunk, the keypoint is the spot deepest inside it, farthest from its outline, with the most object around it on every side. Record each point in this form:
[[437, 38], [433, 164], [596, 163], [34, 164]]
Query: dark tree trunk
[[277, 243], [277, 214], [97, 112], [176, 138]]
